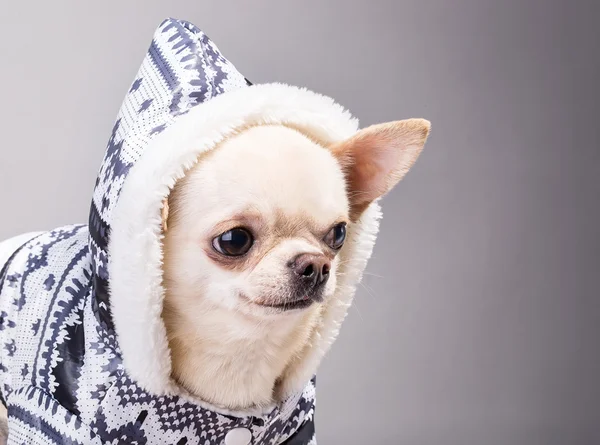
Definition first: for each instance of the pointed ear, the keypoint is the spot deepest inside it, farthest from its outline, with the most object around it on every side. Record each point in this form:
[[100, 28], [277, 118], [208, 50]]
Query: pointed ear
[[377, 157], [165, 214]]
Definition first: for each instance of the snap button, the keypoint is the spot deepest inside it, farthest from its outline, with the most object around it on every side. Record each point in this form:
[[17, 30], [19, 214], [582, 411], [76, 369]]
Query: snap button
[[238, 436]]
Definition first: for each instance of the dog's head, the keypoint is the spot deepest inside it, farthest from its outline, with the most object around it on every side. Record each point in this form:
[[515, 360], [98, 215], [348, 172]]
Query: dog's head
[[257, 225]]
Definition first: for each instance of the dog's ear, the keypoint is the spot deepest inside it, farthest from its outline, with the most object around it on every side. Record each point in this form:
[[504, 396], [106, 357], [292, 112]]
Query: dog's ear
[[165, 214], [377, 157]]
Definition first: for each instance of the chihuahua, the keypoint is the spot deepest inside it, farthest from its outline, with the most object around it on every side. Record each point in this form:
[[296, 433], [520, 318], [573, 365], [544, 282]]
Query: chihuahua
[[236, 242], [252, 235]]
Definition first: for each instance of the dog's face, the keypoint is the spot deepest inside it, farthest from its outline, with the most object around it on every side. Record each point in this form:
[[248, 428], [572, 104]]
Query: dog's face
[[256, 227], [259, 223], [254, 236]]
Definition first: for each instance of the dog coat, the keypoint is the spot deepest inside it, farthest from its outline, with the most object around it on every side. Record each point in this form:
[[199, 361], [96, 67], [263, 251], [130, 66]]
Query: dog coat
[[84, 354]]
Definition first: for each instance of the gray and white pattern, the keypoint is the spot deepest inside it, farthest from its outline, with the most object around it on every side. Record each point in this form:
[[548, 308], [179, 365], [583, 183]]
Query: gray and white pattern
[[61, 369]]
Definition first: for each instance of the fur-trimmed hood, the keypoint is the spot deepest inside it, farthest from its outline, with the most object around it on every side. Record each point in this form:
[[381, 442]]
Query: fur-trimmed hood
[[144, 160], [185, 99]]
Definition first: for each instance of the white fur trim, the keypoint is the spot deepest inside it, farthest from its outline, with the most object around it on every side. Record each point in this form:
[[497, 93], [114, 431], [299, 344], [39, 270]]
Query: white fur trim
[[135, 244]]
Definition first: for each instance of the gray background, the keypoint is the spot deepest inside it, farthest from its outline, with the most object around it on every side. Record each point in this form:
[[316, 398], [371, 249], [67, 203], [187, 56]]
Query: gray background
[[481, 319]]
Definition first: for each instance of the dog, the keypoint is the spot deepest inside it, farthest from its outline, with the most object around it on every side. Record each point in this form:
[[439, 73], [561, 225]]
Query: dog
[[230, 224], [251, 244]]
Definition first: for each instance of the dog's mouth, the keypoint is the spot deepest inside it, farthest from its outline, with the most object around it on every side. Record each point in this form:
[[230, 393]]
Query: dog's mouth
[[291, 305], [301, 303]]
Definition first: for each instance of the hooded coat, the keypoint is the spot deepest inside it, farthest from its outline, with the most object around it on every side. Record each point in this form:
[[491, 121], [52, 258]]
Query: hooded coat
[[84, 354]]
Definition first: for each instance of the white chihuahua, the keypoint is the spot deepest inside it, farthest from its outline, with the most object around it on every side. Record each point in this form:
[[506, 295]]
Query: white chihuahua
[[252, 235], [236, 239]]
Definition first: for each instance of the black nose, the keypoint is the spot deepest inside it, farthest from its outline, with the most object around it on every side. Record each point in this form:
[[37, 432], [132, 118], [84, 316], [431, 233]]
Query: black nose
[[311, 270]]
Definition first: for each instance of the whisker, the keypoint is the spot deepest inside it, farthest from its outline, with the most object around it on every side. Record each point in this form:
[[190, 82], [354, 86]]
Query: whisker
[[355, 305], [372, 275], [369, 291]]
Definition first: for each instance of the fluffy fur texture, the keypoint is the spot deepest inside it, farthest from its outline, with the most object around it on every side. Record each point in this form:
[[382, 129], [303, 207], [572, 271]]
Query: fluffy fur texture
[[135, 248], [226, 346], [136, 243]]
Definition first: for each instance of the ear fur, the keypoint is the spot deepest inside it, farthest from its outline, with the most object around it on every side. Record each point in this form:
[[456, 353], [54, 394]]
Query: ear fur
[[376, 158]]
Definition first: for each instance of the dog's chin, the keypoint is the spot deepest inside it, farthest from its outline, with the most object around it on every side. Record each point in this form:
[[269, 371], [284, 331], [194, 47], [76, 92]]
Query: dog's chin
[[277, 307]]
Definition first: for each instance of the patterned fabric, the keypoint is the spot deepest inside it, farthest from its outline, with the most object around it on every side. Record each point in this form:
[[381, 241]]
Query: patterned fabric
[[61, 371]]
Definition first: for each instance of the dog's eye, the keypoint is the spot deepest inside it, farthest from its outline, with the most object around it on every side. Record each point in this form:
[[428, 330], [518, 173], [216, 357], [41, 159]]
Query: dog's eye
[[234, 242], [336, 236]]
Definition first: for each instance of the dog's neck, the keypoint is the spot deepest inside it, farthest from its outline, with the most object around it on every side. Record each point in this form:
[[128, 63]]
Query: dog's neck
[[233, 361]]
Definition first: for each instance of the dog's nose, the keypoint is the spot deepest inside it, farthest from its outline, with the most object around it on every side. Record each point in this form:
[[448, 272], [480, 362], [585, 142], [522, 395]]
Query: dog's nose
[[311, 269]]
